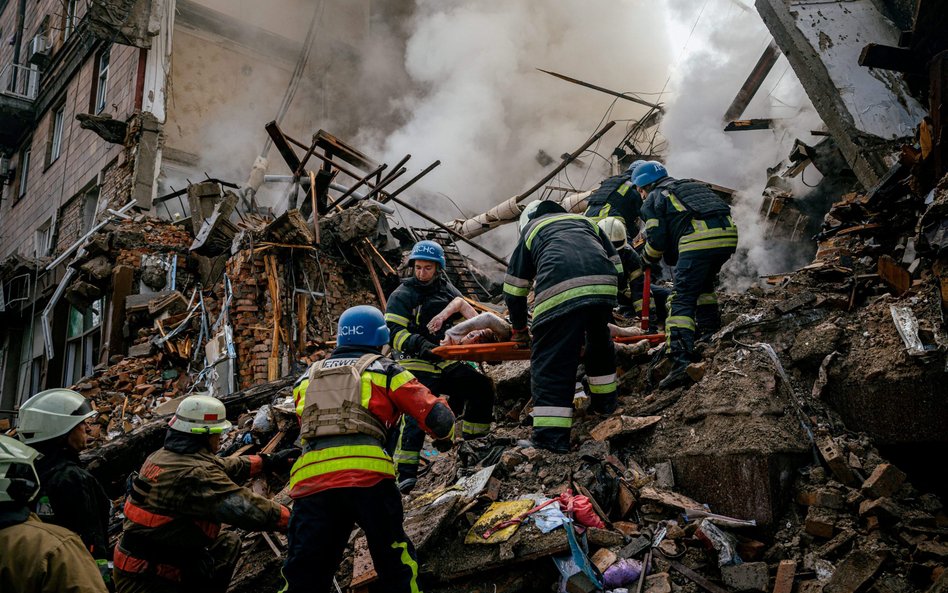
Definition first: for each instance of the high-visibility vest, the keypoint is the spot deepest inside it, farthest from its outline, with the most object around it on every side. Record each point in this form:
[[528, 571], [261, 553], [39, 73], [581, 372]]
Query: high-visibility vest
[[337, 400]]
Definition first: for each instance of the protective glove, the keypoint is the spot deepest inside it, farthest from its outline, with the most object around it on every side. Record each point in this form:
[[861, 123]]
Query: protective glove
[[425, 352], [444, 445], [521, 337], [280, 461]]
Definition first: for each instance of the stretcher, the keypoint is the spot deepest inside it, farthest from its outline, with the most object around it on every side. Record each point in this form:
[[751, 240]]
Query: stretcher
[[489, 352], [650, 338]]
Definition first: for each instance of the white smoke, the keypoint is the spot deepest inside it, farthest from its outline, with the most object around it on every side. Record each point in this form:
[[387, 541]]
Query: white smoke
[[480, 106], [725, 44]]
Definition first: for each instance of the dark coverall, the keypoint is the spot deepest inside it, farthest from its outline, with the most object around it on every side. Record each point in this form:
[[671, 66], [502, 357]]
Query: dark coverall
[[347, 479], [410, 307], [630, 298], [691, 227], [71, 497], [576, 273], [172, 538], [43, 558], [616, 196]]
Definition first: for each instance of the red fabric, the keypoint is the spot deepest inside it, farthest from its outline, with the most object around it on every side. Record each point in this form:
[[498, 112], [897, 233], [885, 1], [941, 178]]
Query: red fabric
[[284, 519], [581, 509], [347, 478], [146, 518], [256, 464], [134, 565], [412, 398]]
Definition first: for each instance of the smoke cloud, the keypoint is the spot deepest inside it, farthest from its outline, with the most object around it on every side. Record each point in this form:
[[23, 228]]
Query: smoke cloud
[[726, 42]]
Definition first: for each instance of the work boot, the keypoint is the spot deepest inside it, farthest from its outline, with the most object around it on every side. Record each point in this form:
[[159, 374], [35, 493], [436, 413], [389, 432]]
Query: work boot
[[407, 485], [677, 376]]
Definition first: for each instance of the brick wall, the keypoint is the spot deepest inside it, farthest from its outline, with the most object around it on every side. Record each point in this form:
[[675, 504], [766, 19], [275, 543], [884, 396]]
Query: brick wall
[[252, 309], [83, 154]]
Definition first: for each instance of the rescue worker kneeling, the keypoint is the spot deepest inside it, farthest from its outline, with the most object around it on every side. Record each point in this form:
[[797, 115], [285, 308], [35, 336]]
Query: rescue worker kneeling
[[172, 538], [347, 403]]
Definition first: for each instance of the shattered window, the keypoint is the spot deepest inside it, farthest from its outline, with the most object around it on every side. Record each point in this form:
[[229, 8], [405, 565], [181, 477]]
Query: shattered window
[[102, 80], [83, 337]]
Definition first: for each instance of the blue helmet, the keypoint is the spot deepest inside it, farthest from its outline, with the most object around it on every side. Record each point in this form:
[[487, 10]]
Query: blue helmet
[[635, 163], [429, 251], [363, 325], [648, 172]]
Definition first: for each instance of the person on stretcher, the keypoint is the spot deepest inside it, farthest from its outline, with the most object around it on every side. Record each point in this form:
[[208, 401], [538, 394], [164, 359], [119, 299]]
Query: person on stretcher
[[476, 329]]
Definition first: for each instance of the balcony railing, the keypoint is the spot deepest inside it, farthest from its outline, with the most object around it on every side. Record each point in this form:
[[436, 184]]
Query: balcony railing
[[19, 81]]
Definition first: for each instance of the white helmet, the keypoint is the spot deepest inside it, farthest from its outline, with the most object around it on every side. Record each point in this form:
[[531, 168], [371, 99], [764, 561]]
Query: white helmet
[[614, 229], [50, 414], [527, 212], [200, 414], [19, 481]]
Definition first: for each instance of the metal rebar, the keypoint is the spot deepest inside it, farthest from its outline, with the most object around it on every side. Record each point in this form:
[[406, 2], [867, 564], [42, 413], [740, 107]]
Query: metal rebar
[[410, 182], [357, 185]]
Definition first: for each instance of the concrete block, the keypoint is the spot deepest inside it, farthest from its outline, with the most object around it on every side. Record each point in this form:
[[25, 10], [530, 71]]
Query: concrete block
[[885, 480], [749, 576], [854, 572]]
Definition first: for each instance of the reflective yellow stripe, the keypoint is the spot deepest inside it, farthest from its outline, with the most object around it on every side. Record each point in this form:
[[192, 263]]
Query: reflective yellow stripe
[[619, 269], [407, 457], [415, 364], [699, 225], [651, 251], [712, 244], [680, 321], [299, 395], [674, 201], [704, 235], [708, 299], [557, 218], [573, 293], [408, 561], [400, 379], [324, 461], [607, 388], [475, 427], [552, 421], [635, 274], [400, 337], [651, 223], [396, 319], [624, 188], [515, 291]]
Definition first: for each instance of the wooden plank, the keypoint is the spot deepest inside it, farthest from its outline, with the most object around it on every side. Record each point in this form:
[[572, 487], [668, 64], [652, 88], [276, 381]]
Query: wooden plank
[[621, 426], [894, 275], [886, 57]]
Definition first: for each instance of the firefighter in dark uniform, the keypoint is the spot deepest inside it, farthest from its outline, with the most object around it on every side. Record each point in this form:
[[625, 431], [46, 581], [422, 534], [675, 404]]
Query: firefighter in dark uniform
[[576, 273], [36, 556], [54, 423], [690, 226], [410, 309], [172, 539], [631, 296], [347, 404], [616, 196]]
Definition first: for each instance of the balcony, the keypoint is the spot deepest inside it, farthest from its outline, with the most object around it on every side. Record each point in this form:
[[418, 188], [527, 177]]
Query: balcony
[[18, 88]]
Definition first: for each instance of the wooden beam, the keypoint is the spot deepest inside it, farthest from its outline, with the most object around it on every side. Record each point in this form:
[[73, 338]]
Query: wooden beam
[[754, 80], [886, 57], [748, 125]]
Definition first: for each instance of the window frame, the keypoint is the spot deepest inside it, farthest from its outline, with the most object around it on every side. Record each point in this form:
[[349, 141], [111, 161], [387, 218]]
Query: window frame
[[83, 344], [44, 234], [100, 85], [69, 18], [57, 127], [23, 177]]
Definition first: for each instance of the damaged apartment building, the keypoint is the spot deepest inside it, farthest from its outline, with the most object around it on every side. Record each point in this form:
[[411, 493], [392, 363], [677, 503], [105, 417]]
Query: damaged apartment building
[[103, 110]]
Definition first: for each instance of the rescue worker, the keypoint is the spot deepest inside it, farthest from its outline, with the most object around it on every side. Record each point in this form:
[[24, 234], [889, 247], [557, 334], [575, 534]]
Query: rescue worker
[[54, 422], [688, 225], [577, 272], [411, 308], [346, 404], [172, 538], [631, 296], [616, 196], [36, 556]]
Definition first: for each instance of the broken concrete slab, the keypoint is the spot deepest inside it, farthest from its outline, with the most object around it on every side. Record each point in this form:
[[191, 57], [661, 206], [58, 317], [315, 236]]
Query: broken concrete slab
[[854, 572], [619, 426], [748, 576], [863, 108]]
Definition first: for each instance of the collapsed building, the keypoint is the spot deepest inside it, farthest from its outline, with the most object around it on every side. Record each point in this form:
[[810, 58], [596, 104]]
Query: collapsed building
[[799, 461]]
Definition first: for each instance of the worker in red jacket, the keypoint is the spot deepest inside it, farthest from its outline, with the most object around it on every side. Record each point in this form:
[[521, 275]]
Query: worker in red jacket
[[347, 404]]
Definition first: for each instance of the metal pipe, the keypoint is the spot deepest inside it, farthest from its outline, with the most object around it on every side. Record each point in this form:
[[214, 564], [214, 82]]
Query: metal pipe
[[91, 232], [378, 188], [336, 186], [357, 185], [454, 233], [395, 169], [411, 181]]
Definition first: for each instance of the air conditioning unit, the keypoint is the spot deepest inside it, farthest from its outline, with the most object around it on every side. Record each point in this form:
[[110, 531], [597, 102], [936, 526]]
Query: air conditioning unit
[[39, 49]]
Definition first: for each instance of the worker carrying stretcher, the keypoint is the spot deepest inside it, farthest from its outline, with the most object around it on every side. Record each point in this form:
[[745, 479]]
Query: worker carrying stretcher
[[414, 317]]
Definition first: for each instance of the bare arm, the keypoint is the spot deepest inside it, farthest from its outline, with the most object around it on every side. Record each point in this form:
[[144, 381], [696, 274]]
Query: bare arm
[[458, 305]]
